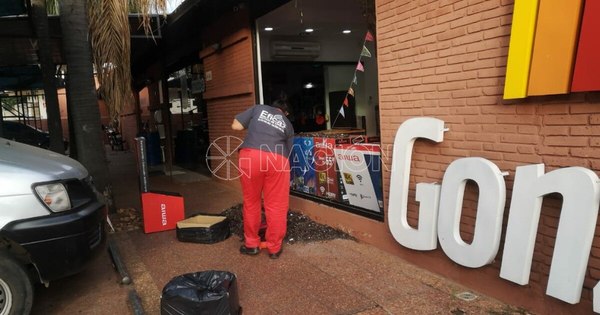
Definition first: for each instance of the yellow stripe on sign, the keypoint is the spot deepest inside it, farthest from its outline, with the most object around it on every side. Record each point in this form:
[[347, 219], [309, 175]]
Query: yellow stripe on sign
[[554, 47], [519, 52]]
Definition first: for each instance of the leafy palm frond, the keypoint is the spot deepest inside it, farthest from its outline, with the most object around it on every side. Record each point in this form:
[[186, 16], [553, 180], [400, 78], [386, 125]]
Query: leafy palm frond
[[147, 7], [52, 7], [134, 6], [110, 39]]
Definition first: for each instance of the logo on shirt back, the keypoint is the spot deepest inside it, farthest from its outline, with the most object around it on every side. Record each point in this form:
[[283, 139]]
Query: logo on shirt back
[[275, 121]]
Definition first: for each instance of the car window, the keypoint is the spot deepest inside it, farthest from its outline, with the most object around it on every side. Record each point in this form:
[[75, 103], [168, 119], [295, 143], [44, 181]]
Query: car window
[[24, 133], [10, 127]]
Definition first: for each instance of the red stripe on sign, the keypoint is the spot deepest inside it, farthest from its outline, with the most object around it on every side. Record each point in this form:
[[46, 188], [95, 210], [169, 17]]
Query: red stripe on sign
[[587, 65]]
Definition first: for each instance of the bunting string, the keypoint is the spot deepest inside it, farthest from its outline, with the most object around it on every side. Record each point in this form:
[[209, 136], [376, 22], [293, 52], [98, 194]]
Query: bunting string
[[359, 67]]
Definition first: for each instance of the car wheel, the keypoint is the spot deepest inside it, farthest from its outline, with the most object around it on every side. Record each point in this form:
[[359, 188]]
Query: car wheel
[[16, 290]]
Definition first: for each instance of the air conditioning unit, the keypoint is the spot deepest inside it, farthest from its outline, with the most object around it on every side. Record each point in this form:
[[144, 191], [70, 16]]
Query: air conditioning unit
[[286, 49]]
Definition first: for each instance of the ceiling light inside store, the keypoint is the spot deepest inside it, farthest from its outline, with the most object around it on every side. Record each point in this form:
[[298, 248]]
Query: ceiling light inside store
[[308, 85], [346, 31], [268, 29], [309, 30]]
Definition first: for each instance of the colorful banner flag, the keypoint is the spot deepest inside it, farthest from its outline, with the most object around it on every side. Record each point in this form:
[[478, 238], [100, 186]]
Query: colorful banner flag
[[360, 67], [365, 52]]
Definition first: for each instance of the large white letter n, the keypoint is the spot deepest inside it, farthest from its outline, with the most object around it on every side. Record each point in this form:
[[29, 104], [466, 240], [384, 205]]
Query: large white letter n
[[425, 236], [580, 190]]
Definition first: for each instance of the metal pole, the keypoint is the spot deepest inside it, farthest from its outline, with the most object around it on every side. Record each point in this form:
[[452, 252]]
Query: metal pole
[[1, 115], [141, 149], [136, 302], [115, 255]]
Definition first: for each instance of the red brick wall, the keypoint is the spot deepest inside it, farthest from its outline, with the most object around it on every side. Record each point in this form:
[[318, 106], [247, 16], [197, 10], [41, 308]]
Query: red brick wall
[[231, 89], [447, 59]]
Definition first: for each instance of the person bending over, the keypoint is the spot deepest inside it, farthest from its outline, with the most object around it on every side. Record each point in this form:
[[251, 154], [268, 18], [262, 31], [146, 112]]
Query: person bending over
[[265, 169]]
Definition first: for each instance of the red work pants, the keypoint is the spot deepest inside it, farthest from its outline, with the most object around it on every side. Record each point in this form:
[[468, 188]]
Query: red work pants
[[266, 174]]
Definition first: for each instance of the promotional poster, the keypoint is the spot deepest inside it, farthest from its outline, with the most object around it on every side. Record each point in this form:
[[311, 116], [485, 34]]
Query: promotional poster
[[302, 164], [360, 169], [325, 167]]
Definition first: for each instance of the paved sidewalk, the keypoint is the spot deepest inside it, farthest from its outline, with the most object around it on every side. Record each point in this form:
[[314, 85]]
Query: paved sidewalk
[[333, 277]]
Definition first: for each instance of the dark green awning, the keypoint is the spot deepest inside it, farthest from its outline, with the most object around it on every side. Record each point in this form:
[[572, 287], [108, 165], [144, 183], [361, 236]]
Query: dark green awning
[[12, 7]]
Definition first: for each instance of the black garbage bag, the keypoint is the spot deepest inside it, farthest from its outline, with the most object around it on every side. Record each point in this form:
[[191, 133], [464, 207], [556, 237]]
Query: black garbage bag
[[204, 228], [201, 293]]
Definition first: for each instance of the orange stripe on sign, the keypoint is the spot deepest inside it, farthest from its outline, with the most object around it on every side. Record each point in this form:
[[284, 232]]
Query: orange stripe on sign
[[587, 66], [554, 47]]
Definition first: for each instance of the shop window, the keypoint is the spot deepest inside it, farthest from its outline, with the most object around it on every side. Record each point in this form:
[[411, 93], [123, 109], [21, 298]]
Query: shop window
[[189, 122], [322, 55]]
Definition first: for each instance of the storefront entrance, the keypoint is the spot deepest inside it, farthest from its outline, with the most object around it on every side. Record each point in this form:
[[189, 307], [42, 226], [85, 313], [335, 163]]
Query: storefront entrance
[[322, 56]]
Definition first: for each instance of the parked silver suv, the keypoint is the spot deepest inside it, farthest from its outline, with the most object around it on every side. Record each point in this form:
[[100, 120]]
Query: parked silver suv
[[51, 221]]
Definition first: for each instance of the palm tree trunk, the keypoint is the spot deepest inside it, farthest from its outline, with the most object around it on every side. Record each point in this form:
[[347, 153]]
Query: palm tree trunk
[[82, 101], [2, 115], [40, 22]]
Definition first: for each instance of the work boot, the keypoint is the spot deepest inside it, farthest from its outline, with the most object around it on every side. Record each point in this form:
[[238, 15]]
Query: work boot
[[249, 250], [276, 255]]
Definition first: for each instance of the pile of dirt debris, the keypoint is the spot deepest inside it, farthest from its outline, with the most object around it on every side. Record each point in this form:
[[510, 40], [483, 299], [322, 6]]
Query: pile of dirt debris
[[300, 227], [125, 219]]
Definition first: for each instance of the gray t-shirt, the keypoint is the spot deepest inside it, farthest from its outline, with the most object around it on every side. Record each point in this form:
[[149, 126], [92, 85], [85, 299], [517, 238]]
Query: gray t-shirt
[[268, 129]]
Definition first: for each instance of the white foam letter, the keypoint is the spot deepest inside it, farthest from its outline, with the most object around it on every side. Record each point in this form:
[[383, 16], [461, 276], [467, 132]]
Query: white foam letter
[[423, 238], [490, 207], [580, 190], [597, 298]]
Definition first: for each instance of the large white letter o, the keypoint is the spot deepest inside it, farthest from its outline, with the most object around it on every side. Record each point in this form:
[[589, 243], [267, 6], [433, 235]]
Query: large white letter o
[[490, 208]]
